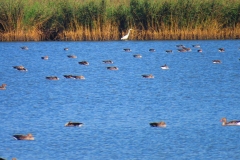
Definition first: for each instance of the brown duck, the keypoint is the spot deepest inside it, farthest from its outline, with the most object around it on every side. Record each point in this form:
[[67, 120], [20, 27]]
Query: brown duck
[[29, 137], [20, 68], [52, 78], [230, 123], [3, 87], [158, 124], [147, 76]]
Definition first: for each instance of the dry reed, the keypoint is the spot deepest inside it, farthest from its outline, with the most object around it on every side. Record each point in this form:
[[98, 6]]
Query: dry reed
[[81, 20]]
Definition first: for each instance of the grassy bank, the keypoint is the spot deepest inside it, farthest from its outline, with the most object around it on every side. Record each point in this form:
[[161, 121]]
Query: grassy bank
[[36, 20]]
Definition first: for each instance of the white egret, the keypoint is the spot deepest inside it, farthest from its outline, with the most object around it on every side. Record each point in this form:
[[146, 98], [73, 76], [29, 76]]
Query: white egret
[[126, 36]]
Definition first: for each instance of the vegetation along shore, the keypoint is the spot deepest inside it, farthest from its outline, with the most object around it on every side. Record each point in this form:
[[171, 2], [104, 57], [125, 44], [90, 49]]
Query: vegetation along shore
[[99, 20]]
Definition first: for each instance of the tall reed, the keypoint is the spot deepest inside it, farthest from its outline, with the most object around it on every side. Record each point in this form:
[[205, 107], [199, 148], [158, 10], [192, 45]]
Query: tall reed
[[35, 20]]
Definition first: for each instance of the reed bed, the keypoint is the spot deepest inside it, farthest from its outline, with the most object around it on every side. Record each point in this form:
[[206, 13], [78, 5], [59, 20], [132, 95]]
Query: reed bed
[[80, 20]]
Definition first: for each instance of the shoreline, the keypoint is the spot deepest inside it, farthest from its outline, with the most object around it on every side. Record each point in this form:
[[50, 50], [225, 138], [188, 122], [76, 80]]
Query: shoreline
[[82, 35]]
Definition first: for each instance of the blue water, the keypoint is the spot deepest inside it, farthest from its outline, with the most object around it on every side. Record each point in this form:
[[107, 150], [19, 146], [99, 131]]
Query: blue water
[[116, 107]]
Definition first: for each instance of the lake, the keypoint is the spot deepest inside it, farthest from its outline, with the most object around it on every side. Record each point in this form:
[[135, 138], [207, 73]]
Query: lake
[[116, 106]]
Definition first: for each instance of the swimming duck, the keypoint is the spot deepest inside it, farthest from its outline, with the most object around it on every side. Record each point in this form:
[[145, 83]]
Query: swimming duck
[[137, 56], [3, 87], [74, 77], [24, 48], [73, 124], [84, 63], [20, 68], [230, 123], [221, 49], [147, 76], [45, 57], [200, 50], [108, 61], [180, 45], [182, 50], [6, 159], [65, 49], [72, 56], [68, 76], [169, 51], [152, 50], [112, 68], [127, 50], [196, 45], [216, 61], [158, 124], [78, 77], [29, 136], [52, 78], [164, 66], [187, 49]]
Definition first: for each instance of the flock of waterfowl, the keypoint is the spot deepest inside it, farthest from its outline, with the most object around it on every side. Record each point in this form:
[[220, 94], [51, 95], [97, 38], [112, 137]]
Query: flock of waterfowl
[[162, 124]]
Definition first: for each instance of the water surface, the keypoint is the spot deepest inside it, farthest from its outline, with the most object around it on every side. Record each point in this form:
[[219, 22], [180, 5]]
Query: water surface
[[116, 107]]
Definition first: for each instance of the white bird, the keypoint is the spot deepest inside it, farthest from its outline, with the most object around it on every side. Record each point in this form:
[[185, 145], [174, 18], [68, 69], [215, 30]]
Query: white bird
[[126, 36]]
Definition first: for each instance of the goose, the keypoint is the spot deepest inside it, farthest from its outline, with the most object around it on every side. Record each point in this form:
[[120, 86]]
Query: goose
[[230, 123], [73, 124], [29, 136], [126, 36], [158, 124]]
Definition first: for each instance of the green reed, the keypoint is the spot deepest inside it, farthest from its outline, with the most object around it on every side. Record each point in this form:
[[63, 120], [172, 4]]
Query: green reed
[[110, 19]]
